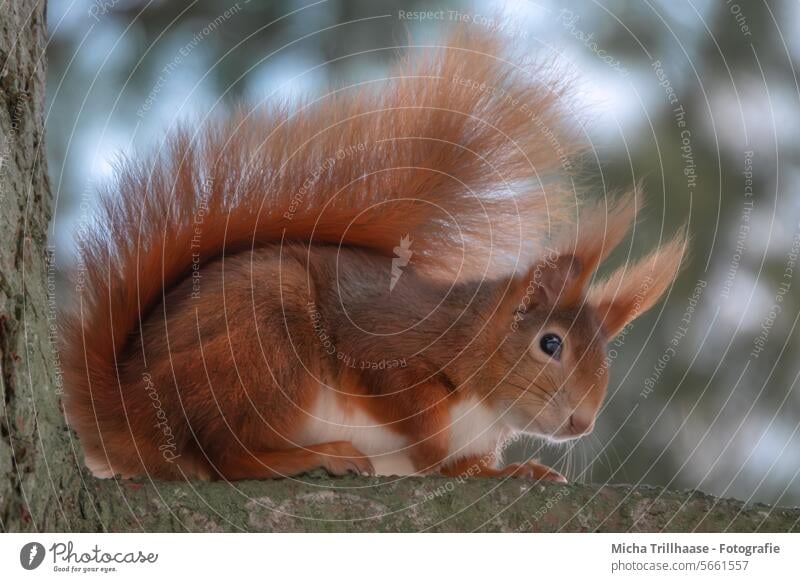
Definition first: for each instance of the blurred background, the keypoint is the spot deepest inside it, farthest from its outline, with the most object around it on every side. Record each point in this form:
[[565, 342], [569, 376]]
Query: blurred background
[[699, 100]]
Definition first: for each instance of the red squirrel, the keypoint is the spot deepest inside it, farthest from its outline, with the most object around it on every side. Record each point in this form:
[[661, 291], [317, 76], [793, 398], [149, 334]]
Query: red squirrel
[[381, 281]]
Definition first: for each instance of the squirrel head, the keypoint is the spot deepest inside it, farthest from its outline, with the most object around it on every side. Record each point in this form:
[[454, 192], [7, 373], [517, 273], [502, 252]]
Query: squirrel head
[[553, 368]]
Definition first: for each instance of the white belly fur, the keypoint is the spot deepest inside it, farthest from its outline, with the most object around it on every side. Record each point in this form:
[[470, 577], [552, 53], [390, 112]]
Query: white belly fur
[[474, 430], [330, 420]]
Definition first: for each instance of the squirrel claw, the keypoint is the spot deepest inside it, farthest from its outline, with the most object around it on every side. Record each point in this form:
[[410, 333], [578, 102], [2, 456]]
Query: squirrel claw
[[534, 470]]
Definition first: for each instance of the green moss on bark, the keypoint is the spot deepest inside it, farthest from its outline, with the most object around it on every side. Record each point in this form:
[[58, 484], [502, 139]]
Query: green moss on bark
[[321, 504]]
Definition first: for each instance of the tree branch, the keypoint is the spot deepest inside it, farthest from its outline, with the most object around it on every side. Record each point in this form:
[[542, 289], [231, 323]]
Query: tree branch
[[317, 503]]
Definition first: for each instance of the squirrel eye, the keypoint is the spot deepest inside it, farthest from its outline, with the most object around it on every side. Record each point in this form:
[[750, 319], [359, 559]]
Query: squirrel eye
[[551, 345]]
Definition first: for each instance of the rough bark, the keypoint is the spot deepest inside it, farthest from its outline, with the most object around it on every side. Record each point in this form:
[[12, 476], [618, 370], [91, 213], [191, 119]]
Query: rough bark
[[44, 488], [35, 467], [318, 503]]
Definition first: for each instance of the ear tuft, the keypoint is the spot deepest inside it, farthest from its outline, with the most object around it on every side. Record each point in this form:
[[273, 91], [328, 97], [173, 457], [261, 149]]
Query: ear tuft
[[600, 228], [633, 289]]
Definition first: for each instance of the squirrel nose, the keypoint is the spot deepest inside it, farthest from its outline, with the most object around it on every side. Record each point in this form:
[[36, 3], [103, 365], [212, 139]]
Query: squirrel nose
[[579, 424]]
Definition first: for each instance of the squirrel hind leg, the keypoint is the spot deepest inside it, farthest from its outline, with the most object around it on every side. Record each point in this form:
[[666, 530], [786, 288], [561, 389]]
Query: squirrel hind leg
[[97, 465], [337, 458], [127, 458]]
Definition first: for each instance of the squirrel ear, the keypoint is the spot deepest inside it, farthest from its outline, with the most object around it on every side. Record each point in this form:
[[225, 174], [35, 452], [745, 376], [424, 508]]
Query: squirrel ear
[[561, 276], [633, 289], [564, 272], [557, 279], [550, 281]]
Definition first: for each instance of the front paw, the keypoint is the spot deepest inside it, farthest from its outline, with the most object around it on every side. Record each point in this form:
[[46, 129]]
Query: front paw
[[533, 470], [342, 458]]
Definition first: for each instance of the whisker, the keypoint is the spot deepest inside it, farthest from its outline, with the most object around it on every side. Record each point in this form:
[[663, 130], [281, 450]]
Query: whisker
[[526, 390], [584, 463], [532, 384]]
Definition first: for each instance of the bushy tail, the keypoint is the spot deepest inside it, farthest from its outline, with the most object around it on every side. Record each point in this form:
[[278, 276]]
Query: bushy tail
[[451, 150]]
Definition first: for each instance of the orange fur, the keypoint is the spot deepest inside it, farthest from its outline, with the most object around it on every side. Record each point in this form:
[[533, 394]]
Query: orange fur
[[225, 265], [633, 289]]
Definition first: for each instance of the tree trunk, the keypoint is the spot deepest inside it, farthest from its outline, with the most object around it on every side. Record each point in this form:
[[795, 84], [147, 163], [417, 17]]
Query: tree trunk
[[45, 488], [35, 464]]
